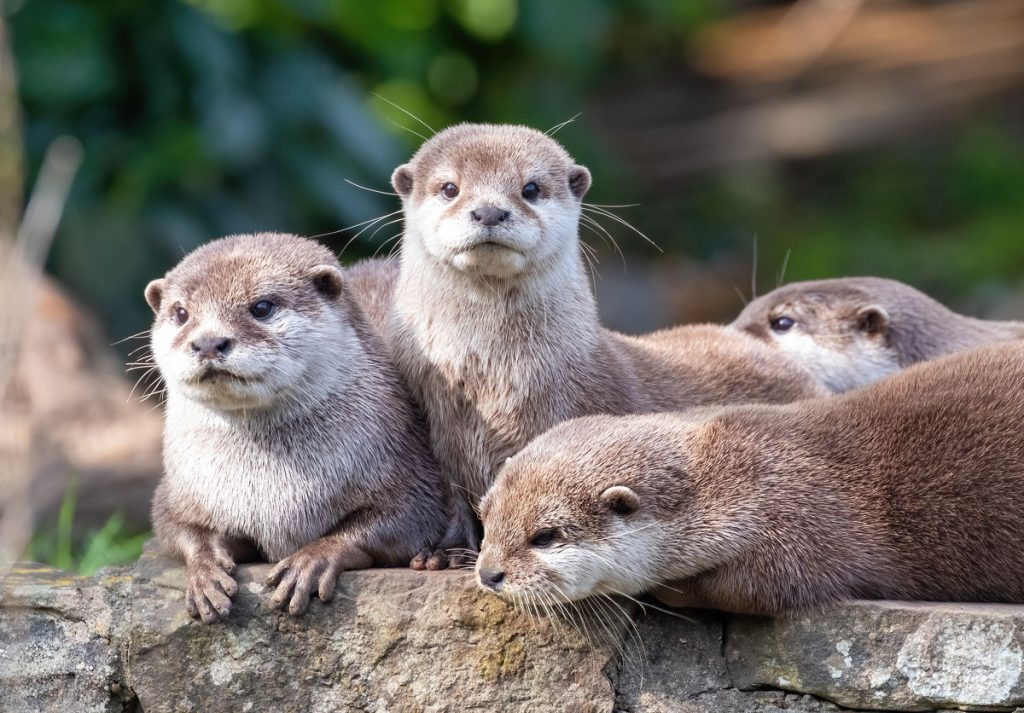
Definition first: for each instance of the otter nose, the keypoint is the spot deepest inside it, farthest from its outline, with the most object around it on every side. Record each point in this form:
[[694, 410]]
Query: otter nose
[[488, 215], [211, 347], [491, 579]]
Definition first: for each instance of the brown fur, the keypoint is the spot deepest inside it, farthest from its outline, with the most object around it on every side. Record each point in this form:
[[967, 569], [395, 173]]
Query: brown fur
[[500, 343], [906, 489], [905, 325], [371, 284], [330, 470]]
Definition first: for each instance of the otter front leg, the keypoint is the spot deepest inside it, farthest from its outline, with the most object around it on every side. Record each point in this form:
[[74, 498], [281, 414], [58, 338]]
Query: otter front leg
[[315, 566], [209, 562], [457, 546]]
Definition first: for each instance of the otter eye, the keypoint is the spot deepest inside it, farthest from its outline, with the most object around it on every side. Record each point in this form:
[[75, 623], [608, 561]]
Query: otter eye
[[782, 324], [531, 191], [180, 315], [449, 191], [262, 309], [544, 538]]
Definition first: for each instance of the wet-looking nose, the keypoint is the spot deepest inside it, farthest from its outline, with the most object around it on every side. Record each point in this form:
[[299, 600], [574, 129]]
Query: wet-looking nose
[[488, 215], [491, 578], [211, 347]]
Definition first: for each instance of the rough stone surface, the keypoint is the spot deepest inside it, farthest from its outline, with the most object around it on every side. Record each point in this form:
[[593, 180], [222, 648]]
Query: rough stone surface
[[393, 640], [888, 655], [397, 640], [59, 640]]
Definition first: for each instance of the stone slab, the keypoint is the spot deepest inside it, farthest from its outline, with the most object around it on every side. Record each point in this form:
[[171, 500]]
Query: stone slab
[[881, 655]]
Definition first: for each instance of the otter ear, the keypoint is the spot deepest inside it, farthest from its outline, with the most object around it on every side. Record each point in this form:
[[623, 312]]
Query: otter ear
[[401, 179], [579, 181], [873, 319], [154, 294], [327, 281], [621, 500]]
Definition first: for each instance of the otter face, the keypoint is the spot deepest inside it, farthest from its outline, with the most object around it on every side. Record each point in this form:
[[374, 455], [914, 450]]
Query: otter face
[[843, 340], [246, 322], [560, 529], [491, 201]]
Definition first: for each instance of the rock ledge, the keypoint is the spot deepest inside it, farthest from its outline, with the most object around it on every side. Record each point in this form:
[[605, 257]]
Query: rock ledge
[[397, 640]]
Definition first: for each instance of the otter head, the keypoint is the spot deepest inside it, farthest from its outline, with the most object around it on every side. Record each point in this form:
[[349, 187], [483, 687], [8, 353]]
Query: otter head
[[835, 329], [249, 321], [491, 200], [575, 514]]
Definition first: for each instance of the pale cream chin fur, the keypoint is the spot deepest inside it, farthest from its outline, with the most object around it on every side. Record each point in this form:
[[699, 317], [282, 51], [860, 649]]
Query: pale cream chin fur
[[858, 364]]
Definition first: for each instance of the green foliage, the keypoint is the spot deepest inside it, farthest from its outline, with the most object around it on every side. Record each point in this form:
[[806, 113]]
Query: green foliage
[[207, 117], [211, 117], [58, 543]]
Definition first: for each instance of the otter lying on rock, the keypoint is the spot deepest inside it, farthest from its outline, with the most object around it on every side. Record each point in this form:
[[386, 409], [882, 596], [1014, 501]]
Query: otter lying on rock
[[909, 488]]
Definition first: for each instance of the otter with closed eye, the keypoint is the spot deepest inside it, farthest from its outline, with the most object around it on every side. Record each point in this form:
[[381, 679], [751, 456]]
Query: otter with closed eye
[[851, 331], [494, 325], [905, 489], [288, 434]]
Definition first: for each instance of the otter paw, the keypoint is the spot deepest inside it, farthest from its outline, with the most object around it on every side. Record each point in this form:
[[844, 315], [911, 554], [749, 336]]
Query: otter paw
[[210, 589], [298, 576], [432, 559]]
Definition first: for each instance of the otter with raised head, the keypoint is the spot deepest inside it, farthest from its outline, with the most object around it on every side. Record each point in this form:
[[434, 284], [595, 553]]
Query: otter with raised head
[[906, 489], [288, 434], [851, 331], [494, 324]]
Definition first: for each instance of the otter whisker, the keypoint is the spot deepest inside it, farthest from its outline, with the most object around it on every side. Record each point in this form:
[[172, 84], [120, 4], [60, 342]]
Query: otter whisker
[[406, 128], [742, 298], [627, 533], [393, 239], [384, 225], [782, 272], [367, 225], [138, 349], [558, 127], [647, 605], [589, 256], [472, 500], [603, 234], [608, 214], [357, 225], [556, 623], [406, 112], [139, 381], [137, 367], [753, 273], [631, 631], [396, 246], [137, 335], [367, 188], [606, 626]]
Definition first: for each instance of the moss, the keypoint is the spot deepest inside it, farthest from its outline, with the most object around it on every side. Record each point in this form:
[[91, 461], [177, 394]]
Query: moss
[[506, 660]]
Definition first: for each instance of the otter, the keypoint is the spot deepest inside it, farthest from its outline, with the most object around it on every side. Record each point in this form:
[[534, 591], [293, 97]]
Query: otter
[[494, 325], [851, 331], [288, 434], [905, 489]]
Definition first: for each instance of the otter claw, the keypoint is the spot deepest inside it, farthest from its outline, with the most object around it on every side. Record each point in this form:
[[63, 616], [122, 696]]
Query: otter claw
[[209, 591]]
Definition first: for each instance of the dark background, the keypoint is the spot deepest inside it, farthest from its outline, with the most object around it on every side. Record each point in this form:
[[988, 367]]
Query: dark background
[[863, 138], [832, 137]]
